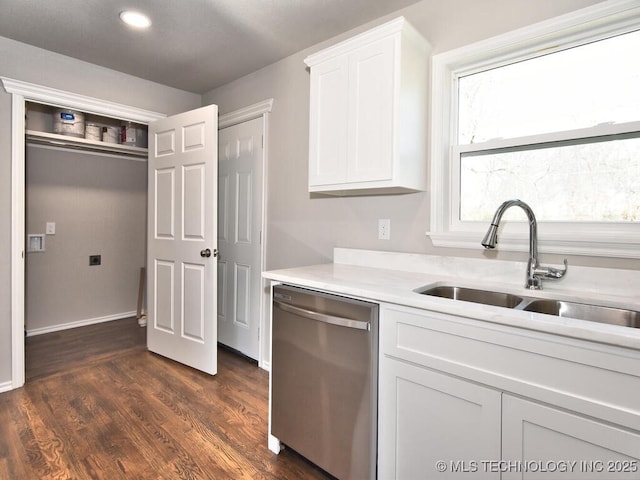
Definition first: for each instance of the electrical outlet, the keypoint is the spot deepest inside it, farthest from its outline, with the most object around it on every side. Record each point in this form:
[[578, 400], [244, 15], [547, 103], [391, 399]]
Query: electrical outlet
[[95, 260], [384, 229]]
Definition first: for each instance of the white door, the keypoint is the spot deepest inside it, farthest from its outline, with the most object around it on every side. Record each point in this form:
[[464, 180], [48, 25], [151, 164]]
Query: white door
[[239, 229], [181, 293]]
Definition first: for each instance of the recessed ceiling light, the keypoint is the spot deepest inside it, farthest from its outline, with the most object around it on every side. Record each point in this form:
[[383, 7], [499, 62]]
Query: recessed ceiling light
[[135, 19]]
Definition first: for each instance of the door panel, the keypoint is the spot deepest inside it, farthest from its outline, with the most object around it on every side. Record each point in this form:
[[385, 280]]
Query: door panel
[[182, 278], [164, 206], [239, 224], [193, 305], [535, 434], [242, 298], [165, 143], [244, 181], [193, 202], [164, 295]]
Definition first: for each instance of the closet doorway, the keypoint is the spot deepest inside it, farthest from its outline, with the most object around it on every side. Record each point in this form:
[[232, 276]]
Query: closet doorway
[[86, 210], [23, 91]]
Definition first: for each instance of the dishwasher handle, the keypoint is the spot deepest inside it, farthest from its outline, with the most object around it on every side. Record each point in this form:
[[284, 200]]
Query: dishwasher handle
[[323, 317]]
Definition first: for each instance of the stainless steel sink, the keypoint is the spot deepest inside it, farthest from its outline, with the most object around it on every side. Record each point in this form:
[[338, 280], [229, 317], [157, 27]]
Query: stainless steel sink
[[559, 308], [485, 297], [582, 311]]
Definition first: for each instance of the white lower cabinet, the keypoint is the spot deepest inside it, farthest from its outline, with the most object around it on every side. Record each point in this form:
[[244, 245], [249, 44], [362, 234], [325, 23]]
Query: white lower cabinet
[[434, 425], [463, 399], [539, 441]]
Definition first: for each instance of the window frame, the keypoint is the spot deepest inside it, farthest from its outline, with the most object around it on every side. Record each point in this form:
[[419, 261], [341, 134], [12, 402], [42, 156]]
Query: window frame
[[580, 238]]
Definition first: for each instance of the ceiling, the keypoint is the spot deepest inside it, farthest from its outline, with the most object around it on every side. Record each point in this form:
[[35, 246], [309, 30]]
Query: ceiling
[[193, 45]]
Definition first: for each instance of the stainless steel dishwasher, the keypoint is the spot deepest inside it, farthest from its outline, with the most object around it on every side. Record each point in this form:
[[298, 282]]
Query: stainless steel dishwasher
[[324, 375]]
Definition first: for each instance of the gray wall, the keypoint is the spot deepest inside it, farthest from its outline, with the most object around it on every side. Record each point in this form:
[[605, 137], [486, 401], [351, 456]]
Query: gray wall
[[99, 206], [26, 63], [303, 229]]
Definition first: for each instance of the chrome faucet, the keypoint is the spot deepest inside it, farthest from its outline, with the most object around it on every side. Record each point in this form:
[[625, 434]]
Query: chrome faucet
[[535, 272]]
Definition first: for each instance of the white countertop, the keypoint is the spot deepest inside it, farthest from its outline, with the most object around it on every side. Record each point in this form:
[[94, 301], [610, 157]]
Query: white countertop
[[393, 278]]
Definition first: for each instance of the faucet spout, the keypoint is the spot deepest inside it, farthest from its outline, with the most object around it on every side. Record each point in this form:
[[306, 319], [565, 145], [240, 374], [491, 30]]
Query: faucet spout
[[491, 237], [535, 272]]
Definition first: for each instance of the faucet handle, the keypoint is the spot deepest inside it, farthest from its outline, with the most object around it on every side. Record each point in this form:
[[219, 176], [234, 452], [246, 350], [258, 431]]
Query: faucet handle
[[550, 272]]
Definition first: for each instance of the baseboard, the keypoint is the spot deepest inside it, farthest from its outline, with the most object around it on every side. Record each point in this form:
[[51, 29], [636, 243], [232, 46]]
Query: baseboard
[[79, 323], [6, 386], [265, 365]]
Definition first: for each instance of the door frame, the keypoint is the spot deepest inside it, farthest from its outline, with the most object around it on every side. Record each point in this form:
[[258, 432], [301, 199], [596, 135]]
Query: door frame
[[251, 112], [20, 92], [24, 91]]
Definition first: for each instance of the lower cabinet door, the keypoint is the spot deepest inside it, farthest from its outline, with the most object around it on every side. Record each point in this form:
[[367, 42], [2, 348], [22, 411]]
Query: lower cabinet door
[[542, 442], [433, 426]]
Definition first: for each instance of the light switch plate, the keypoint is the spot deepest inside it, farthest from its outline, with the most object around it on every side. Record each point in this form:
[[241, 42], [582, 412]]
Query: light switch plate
[[51, 228]]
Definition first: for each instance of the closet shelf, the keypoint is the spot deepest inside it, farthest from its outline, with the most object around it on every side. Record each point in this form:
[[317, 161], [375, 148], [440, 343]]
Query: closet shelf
[[76, 143]]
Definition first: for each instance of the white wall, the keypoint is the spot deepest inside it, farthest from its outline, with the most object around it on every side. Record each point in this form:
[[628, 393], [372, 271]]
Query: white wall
[[30, 64], [303, 229]]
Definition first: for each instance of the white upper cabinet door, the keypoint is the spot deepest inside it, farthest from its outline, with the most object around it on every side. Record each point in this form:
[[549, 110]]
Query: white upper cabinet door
[[328, 123], [368, 113], [371, 107]]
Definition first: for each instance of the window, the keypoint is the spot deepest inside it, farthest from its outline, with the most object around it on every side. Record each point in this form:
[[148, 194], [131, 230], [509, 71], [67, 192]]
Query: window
[[551, 115]]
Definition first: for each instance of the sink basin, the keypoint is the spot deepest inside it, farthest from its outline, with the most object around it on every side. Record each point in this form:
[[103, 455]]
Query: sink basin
[[485, 297], [594, 313], [559, 308]]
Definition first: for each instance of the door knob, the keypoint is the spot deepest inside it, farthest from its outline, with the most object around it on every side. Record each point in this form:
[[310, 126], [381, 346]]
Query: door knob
[[205, 253]]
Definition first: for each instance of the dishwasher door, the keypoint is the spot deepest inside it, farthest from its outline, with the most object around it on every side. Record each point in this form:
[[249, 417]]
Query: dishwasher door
[[324, 376]]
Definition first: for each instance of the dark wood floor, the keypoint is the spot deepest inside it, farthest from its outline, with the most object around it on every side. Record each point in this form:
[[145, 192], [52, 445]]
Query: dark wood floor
[[98, 405], [68, 349]]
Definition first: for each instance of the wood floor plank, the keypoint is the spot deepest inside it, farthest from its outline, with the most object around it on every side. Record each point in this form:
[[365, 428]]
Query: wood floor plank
[[186, 407], [83, 415], [11, 445], [98, 405]]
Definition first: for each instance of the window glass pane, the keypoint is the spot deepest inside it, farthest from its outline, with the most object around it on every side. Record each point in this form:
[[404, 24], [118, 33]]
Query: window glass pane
[[572, 183], [575, 88]]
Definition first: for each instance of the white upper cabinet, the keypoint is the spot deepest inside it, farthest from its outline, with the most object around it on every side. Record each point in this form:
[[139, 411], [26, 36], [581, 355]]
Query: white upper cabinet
[[368, 113]]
